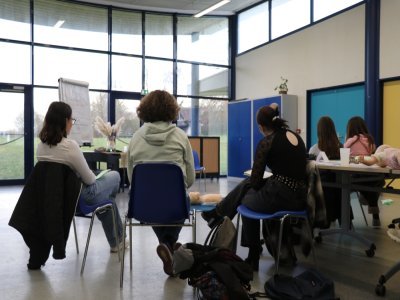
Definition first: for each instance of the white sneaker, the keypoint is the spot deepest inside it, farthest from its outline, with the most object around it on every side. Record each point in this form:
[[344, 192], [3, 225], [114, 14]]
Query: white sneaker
[[394, 234], [121, 247]]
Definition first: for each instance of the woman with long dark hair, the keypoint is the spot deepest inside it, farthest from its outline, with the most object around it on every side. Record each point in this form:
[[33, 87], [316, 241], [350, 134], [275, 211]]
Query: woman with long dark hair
[[284, 153], [55, 146]]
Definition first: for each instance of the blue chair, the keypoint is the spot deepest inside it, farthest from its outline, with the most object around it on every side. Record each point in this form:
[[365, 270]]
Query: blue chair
[[89, 211], [281, 216], [199, 169], [158, 197]]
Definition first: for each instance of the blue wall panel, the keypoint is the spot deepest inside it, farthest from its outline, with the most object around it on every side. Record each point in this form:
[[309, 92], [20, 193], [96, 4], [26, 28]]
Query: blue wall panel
[[339, 104]]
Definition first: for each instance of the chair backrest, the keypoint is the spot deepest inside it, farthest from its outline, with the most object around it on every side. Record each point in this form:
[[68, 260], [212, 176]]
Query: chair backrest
[[196, 159], [158, 193]]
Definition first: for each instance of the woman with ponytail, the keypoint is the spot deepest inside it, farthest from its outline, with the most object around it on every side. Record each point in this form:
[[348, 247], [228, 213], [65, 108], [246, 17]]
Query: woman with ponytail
[[283, 152]]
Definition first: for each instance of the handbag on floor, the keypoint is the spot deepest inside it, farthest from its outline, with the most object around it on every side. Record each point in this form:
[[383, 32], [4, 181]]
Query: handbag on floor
[[223, 235]]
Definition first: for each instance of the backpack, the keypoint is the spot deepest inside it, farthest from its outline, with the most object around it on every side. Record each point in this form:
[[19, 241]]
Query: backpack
[[223, 235], [217, 273], [309, 285]]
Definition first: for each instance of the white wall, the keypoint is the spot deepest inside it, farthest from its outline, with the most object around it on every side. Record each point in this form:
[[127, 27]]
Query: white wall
[[328, 54], [390, 39]]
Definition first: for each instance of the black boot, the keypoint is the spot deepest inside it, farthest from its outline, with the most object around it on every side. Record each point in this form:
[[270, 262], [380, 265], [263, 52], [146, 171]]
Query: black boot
[[253, 259], [212, 217]]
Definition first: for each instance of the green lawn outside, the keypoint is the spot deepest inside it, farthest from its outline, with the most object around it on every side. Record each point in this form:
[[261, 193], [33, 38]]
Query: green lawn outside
[[12, 155]]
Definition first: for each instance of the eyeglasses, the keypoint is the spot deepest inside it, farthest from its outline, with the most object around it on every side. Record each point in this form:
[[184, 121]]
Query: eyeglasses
[[73, 121]]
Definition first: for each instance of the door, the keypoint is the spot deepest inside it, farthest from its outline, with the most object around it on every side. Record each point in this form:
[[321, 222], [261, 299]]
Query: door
[[16, 145]]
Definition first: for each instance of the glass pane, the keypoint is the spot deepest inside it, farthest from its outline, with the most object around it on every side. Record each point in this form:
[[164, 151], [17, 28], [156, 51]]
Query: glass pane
[[127, 108], [289, 15], [200, 115], [324, 8], [68, 24], [98, 107], [158, 75], [51, 64], [15, 20], [15, 62], [12, 135], [196, 35], [256, 17], [126, 32], [202, 80], [126, 73], [158, 39]]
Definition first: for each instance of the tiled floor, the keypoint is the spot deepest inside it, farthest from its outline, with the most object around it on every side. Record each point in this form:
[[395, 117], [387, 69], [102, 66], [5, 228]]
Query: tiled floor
[[340, 258]]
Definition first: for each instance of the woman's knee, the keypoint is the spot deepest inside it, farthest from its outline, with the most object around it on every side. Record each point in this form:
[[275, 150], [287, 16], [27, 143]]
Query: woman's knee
[[113, 177]]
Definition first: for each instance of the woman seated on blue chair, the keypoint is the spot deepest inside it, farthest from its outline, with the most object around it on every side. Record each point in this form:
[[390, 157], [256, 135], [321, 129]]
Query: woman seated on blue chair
[[55, 146], [161, 140], [284, 153]]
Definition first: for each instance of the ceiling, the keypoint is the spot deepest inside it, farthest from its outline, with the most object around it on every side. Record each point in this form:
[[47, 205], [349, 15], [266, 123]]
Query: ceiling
[[179, 6]]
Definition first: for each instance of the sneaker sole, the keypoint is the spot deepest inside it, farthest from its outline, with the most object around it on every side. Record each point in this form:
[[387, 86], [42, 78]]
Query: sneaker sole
[[166, 258]]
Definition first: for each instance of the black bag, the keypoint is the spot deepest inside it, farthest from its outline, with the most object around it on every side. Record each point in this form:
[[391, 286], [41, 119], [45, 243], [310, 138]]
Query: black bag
[[308, 285], [223, 235]]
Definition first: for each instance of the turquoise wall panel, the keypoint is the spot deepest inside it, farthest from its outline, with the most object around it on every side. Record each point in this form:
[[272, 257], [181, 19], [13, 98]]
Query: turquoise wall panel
[[340, 104]]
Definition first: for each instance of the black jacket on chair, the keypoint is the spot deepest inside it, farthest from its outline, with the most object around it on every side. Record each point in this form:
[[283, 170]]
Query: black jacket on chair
[[47, 205]]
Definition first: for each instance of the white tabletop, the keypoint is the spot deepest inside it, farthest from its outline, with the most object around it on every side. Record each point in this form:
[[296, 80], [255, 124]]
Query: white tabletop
[[335, 165]]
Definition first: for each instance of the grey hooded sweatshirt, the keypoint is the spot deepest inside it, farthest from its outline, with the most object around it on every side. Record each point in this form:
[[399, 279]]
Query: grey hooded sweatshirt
[[162, 141]]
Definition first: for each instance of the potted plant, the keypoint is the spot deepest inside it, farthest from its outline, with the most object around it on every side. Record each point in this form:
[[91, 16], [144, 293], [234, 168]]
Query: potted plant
[[282, 87]]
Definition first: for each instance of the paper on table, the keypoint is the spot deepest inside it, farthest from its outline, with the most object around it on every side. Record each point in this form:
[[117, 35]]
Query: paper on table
[[102, 173], [266, 174]]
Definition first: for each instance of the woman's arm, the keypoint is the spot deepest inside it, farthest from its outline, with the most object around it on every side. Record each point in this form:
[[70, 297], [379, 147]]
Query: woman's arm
[[260, 162], [79, 163], [189, 164]]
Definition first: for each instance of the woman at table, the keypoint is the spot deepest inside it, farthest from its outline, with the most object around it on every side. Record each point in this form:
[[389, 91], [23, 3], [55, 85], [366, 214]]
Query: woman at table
[[161, 140], [284, 153], [330, 144], [55, 146], [361, 143]]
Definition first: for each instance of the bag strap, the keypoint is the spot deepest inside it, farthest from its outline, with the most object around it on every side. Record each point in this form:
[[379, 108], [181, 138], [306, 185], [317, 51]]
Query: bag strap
[[211, 235], [255, 295]]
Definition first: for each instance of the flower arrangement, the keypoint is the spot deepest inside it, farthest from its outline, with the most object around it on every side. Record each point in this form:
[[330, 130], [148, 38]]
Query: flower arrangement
[[109, 131], [282, 87]]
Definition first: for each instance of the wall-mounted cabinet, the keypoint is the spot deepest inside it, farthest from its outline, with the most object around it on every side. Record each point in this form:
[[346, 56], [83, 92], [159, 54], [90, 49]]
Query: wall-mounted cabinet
[[243, 133]]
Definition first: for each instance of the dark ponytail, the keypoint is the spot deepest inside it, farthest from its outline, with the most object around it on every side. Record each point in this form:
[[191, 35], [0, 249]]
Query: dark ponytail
[[268, 117]]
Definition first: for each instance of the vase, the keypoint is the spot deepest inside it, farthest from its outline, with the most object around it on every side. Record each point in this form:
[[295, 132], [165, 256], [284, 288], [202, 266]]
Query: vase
[[282, 92], [110, 143]]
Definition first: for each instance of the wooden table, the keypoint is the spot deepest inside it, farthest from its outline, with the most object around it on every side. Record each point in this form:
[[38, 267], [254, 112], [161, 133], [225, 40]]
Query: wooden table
[[112, 159]]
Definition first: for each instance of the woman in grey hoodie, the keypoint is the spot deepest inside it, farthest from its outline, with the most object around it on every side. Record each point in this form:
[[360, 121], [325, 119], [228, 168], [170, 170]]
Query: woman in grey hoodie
[[159, 139]]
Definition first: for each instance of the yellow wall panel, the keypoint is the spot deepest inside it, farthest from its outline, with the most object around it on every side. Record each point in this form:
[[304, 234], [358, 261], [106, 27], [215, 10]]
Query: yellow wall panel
[[391, 113]]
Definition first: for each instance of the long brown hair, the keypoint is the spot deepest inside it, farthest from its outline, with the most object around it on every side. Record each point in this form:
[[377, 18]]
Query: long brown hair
[[357, 126], [268, 117], [327, 138]]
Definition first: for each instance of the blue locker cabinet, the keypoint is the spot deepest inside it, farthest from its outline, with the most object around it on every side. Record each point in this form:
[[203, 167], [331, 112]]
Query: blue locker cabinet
[[243, 133]]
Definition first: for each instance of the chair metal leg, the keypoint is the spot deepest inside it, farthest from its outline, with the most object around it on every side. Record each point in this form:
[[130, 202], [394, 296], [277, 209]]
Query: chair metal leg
[[87, 244], [205, 181], [362, 209], [278, 254], [121, 277], [130, 242], [194, 224], [76, 237]]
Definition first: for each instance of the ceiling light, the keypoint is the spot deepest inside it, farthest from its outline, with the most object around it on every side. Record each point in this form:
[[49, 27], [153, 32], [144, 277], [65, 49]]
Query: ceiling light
[[59, 23], [211, 8]]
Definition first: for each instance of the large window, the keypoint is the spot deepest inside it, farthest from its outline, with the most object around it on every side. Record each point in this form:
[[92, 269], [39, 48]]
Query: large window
[[126, 32], [289, 15], [196, 35], [15, 20], [324, 8], [199, 80], [199, 115], [15, 63], [126, 73], [158, 36], [256, 17], [74, 25], [158, 75], [51, 64]]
